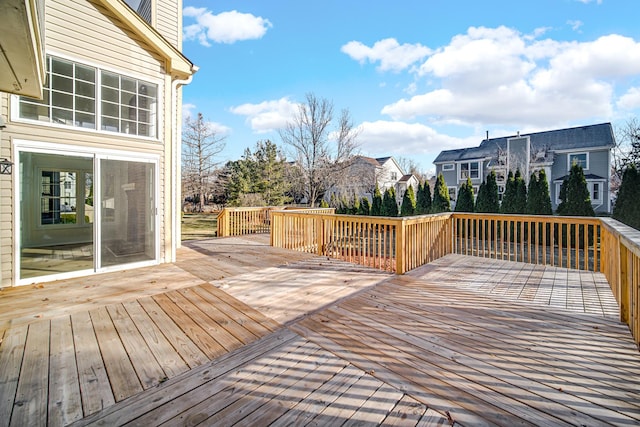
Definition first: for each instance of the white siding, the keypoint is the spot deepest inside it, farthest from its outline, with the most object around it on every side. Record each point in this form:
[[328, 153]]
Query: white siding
[[86, 32], [169, 21], [84, 29]]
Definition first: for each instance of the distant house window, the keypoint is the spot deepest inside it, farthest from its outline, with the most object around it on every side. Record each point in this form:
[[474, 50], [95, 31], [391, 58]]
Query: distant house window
[[448, 167], [394, 176], [595, 190], [581, 159], [470, 169], [452, 193], [71, 98]]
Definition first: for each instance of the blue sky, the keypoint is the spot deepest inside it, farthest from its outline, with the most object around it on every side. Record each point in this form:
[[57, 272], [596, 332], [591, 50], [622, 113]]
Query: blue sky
[[417, 76]]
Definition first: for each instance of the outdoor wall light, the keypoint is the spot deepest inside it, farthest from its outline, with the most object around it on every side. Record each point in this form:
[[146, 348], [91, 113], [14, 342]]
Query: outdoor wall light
[[5, 167]]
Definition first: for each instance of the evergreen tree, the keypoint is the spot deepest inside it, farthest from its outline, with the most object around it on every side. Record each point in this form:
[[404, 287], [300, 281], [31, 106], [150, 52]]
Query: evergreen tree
[[545, 198], [509, 197], [376, 205], [365, 207], [532, 195], [538, 200], [465, 197], [354, 208], [408, 202], [423, 199], [487, 200], [520, 204], [627, 207], [574, 194], [389, 204], [440, 202], [324, 204]]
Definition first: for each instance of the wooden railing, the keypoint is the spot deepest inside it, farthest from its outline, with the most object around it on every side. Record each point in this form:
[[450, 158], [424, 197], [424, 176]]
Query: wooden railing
[[571, 242], [621, 267], [401, 244], [254, 220], [391, 244]]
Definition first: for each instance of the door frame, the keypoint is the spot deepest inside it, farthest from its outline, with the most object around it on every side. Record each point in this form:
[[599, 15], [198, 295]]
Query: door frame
[[97, 154]]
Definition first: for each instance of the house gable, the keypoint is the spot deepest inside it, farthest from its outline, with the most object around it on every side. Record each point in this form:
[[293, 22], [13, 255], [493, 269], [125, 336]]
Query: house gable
[[176, 63]]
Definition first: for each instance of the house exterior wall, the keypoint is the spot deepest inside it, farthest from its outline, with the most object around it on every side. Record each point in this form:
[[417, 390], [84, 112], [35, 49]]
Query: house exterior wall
[[168, 17], [598, 164], [86, 32]]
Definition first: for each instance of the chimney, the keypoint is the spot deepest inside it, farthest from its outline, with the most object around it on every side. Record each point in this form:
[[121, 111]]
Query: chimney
[[487, 135]]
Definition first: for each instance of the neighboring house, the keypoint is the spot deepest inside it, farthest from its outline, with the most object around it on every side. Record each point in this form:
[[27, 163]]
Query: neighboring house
[[96, 159], [364, 172], [554, 151]]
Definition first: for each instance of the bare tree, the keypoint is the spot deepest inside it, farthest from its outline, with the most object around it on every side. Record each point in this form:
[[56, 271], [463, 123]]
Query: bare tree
[[200, 146], [320, 152], [411, 167], [627, 149]]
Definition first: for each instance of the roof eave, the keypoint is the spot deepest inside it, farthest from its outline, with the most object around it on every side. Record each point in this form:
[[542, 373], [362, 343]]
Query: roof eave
[[177, 64]]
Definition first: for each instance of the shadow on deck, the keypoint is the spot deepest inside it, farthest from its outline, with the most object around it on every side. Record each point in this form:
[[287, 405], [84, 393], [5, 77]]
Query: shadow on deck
[[237, 332]]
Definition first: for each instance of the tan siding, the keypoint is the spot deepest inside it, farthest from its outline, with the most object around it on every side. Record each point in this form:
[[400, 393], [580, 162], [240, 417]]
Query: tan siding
[[6, 195], [86, 30], [168, 20]]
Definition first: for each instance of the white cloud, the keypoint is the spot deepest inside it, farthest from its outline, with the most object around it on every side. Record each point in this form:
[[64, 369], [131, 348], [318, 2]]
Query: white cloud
[[225, 27], [500, 76], [590, 1], [267, 116], [575, 25], [630, 100], [187, 110], [398, 138], [391, 55]]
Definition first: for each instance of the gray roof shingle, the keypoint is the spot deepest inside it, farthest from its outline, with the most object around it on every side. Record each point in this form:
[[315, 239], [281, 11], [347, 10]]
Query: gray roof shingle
[[590, 136]]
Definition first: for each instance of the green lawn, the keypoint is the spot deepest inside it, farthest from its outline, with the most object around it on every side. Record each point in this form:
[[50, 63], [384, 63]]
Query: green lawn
[[197, 226]]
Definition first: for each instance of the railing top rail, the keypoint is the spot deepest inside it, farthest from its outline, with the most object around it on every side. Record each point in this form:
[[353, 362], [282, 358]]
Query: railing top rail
[[524, 217], [629, 236]]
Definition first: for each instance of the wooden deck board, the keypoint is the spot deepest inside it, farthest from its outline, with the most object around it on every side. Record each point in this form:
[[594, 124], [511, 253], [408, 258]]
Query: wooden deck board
[[32, 392], [65, 403], [122, 375], [144, 363], [463, 340], [92, 374], [11, 355]]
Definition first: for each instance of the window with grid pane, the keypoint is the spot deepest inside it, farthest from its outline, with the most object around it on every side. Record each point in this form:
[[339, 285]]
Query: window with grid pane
[[128, 105], [69, 96], [74, 91]]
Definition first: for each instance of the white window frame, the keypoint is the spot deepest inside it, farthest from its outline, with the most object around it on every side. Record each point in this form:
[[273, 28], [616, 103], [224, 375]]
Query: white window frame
[[448, 167], [454, 191], [461, 178], [569, 164], [601, 185], [156, 113], [598, 201]]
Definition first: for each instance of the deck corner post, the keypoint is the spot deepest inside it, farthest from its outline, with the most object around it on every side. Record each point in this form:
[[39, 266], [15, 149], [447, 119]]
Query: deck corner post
[[400, 244]]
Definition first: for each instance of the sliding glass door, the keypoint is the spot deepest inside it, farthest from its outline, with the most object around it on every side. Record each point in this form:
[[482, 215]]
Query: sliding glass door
[[127, 212], [84, 212]]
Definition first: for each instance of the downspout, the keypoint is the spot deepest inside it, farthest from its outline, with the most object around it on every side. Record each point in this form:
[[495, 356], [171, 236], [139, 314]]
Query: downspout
[[176, 192]]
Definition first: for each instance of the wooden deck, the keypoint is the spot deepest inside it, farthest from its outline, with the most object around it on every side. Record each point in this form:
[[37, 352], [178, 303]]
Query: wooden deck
[[240, 333]]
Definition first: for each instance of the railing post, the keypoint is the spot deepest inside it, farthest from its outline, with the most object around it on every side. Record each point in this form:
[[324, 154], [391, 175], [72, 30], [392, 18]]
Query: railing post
[[319, 234], [400, 243], [623, 291]]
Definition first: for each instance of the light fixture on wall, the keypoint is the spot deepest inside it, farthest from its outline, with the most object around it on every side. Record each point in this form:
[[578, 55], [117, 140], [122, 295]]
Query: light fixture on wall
[[6, 167]]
